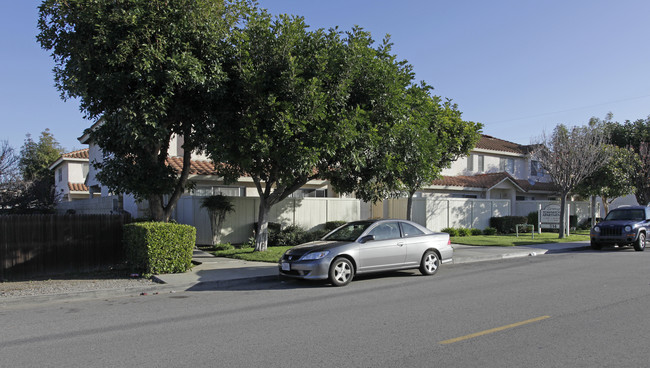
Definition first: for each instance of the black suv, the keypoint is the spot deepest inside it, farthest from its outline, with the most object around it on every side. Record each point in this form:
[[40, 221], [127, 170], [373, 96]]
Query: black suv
[[623, 226]]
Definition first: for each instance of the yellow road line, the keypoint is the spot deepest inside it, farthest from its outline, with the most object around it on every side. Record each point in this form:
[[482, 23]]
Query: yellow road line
[[477, 334]]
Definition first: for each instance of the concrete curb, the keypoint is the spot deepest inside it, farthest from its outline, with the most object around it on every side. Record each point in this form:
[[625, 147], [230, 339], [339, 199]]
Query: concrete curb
[[472, 254]]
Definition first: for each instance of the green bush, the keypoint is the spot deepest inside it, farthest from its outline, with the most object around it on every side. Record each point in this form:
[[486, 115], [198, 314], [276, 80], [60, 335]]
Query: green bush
[[225, 246], [533, 218], [450, 230], [476, 231], [506, 224], [490, 231], [158, 247], [463, 231], [290, 236], [331, 225]]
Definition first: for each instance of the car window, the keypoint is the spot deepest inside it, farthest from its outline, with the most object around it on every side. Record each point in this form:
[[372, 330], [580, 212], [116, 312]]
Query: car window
[[410, 230], [348, 232], [632, 215], [386, 230]]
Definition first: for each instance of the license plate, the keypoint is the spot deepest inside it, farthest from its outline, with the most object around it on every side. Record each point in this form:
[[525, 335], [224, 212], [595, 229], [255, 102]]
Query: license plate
[[286, 266]]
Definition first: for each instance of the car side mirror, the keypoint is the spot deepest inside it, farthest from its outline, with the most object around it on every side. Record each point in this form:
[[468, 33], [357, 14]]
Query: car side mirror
[[366, 238]]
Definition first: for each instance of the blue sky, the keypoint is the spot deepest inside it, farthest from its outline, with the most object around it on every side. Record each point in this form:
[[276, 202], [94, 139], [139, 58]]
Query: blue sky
[[519, 67]]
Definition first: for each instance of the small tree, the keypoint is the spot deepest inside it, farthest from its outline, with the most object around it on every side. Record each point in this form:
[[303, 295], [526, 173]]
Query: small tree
[[34, 190], [635, 136], [432, 136], [612, 180], [36, 157], [569, 156], [218, 206]]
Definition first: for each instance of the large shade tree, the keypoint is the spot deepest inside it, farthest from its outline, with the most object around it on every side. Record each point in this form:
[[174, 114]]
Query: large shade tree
[[300, 105], [569, 156], [148, 69]]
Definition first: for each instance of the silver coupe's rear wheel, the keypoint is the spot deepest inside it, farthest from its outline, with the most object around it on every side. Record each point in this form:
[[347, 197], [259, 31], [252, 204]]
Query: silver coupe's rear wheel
[[341, 272], [430, 263]]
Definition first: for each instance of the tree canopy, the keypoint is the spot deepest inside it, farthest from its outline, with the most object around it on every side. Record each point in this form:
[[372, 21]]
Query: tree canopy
[[635, 135], [612, 180], [306, 104], [429, 139], [148, 69]]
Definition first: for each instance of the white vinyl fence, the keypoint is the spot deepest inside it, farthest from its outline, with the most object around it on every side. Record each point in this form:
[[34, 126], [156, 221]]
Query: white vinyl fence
[[438, 213], [309, 213]]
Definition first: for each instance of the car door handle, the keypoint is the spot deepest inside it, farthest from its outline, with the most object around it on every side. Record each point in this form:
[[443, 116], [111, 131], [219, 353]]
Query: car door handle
[[400, 244]]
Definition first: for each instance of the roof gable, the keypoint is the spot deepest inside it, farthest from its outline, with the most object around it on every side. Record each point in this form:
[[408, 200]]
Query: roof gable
[[488, 142]]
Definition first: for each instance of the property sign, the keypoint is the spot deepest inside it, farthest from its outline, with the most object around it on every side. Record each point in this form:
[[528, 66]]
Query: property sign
[[549, 216]]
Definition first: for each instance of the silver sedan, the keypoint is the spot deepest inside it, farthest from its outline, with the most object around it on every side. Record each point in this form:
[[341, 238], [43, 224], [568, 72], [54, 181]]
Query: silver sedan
[[367, 246]]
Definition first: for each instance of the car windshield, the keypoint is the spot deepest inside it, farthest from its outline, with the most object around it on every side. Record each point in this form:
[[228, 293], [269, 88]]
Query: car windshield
[[634, 215], [348, 232]]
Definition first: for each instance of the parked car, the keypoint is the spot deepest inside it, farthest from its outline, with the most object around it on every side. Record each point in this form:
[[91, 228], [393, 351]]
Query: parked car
[[361, 247], [623, 226]]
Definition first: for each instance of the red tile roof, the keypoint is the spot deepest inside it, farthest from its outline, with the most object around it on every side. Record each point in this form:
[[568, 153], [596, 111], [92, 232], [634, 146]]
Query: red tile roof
[[77, 187], [487, 181], [196, 167], [495, 144], [83, 154], [475, 181]]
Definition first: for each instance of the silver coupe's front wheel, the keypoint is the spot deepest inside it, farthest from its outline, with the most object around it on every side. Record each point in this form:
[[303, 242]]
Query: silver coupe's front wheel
[[341, 272]]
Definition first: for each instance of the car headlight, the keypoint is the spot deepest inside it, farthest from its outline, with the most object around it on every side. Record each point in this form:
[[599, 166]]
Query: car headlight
[[596, 229], [315, 255], [628, 228]]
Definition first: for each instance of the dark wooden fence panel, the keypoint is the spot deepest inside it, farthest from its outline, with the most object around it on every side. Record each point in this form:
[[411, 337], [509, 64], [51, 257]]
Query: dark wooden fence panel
[[32, 245]]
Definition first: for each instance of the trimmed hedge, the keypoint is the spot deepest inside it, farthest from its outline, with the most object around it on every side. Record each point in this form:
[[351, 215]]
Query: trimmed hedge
[[450, 230], [489, 231], [506, 224], [158, 247]]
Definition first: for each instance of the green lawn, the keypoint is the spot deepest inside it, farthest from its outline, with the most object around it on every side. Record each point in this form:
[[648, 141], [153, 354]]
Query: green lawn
[[273, 254], [511, 240]]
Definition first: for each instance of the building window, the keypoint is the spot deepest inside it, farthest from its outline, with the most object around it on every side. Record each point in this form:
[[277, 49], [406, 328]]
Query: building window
[[536, 168], [470, 163], [60, 172], [223, 190], [521, 198], [507, 165], [309, 193], [481, 163]]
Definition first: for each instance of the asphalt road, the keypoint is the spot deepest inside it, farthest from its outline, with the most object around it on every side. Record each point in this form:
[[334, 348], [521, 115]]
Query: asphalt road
[[579, 309]]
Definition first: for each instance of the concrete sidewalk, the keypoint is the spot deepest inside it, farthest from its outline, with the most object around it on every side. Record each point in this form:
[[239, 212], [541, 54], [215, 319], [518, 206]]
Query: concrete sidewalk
[[222, 272], [216, 272]]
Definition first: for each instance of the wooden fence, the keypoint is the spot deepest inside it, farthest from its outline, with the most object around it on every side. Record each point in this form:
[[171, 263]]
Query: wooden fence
[[32, 245]]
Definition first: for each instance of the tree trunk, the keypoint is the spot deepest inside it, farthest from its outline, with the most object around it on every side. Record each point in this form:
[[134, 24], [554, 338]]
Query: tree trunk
[[606, 203], [262, 231], [563, 215], [409, 207], [593, 211], [214, 227], [156, 209]]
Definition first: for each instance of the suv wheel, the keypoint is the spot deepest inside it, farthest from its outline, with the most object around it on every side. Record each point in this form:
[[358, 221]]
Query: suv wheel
[[639, 244], [595, 245]]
